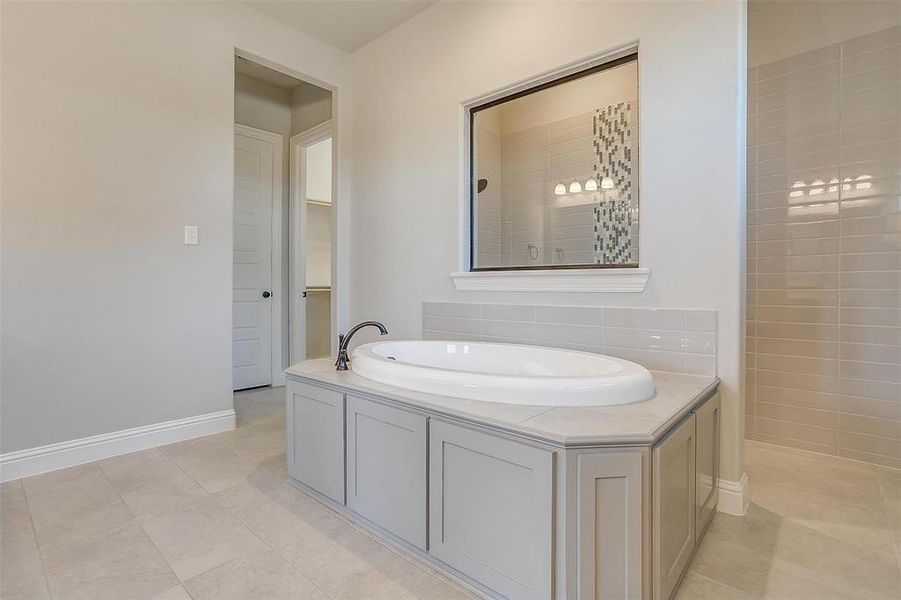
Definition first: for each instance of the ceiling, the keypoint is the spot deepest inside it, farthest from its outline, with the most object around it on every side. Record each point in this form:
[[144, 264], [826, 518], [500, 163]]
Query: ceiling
[[270, 76], [346, 24]]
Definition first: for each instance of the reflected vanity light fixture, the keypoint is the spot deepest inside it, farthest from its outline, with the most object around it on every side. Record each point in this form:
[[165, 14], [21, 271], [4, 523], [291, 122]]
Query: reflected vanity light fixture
[[591, 185], [560, 190], [606, 183], [575, 187]]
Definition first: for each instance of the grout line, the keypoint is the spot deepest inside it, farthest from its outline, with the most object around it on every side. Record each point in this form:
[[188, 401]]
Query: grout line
[[137, 521], [37, 542], [242, 522], [266, 542], [716, 581], [857, 462]]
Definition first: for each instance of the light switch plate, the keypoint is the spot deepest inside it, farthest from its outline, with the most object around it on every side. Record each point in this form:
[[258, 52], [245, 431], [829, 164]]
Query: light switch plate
[[192, 236]]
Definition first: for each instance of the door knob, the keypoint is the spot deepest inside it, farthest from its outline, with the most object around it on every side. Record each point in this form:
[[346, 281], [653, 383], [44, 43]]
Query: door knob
[[266, 293]]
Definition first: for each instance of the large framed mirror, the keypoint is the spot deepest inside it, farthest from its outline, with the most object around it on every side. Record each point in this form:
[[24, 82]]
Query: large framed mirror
[[554, 173]]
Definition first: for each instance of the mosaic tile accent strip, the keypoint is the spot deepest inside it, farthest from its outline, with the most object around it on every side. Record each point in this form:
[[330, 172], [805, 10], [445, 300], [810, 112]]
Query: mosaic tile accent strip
[[615, 160], [674, 340]]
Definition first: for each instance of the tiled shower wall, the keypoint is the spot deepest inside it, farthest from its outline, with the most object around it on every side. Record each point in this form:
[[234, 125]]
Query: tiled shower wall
[[824, 234], [680, 341]]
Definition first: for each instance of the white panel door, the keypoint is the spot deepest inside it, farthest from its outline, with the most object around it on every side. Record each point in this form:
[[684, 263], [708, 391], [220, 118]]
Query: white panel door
[[255, 162]]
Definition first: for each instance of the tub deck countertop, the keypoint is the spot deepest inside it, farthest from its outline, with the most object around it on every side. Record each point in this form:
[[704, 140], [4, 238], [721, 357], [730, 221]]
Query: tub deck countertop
[[641, 423]]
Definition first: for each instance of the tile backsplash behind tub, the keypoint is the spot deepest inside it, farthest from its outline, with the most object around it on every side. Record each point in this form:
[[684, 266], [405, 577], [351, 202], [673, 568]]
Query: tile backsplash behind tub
[[681, 341]]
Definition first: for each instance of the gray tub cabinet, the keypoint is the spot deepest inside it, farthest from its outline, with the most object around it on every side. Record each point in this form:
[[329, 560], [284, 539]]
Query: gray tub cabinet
[[510, 515]]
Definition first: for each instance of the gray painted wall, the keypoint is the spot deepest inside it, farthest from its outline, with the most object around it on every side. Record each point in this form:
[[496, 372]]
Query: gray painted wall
[[108, 320]]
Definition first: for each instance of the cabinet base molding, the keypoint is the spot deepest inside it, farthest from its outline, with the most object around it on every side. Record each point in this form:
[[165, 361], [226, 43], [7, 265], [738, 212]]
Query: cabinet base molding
[[734, 497]]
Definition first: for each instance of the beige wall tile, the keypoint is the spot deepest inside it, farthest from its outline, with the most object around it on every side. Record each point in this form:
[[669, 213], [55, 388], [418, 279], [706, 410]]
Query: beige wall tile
[[890, 336], [887, 428], [810, 348], [800, 331], [879, 390], [797, 431], [798, 364], [870, 444], [870, 407], [798, 381], [870, 370], [794, 414], [801, 398]]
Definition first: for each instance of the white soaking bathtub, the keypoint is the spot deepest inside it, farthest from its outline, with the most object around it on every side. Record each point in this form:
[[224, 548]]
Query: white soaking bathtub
[[505, 373]]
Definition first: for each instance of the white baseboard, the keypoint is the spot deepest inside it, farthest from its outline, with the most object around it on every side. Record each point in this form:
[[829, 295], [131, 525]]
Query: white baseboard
[[33, 461], [734, 497]]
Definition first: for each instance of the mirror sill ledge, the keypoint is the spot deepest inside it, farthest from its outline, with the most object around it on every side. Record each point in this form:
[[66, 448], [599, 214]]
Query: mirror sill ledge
[[554, 280]]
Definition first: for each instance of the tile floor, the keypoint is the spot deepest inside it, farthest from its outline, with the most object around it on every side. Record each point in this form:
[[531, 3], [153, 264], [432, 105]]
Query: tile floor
[[213, 518]]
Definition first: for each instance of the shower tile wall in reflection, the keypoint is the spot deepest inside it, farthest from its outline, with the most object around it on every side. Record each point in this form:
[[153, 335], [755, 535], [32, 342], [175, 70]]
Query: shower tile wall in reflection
[[488, 207], [539, 227], [523, 222], [824, 240]]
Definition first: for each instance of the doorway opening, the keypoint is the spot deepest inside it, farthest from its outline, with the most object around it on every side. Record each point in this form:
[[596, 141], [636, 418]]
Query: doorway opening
[[311, 203], [282, 284]]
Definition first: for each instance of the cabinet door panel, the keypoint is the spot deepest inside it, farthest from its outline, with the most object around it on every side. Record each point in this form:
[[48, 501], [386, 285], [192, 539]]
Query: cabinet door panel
[[386, 467], [610, 536], [316, 438], [674, 506], [708, 462], [490, 509]]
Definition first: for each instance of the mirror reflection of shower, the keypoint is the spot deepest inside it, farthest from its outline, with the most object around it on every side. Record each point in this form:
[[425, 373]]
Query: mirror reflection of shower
[[556, 174]]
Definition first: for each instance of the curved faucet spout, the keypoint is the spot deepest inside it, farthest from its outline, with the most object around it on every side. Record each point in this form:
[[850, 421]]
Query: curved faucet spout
[[344, 341]]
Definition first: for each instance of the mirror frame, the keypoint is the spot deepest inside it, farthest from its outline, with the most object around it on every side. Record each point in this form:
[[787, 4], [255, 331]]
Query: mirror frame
[[604, 66]]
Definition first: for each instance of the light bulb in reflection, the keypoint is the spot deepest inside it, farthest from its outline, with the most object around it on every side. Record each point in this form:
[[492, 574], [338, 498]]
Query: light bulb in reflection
[[560, 190], [591, 185], [606, 183], [575, 187]]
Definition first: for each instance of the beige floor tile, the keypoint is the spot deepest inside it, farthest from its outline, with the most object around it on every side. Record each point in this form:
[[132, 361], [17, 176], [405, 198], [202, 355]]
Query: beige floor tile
[[335, 555], [200, 536], [21, 569], [150, 483], [890, 482], [763, 577], [277, 466], [213, 461], [819, 528], [352, 561], [70, 504], [258, 575], [258, 441], [839, 498], [255, 405], [176, 593], [120, 565], [287, 519], [835, 562], [698, 587]]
